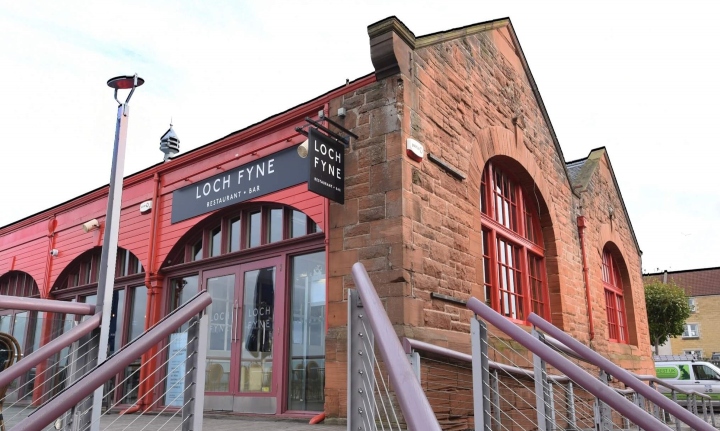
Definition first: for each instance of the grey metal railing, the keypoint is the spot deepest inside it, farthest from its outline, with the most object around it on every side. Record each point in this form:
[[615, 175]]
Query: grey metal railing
[[579, 376], [71, 405], [621, 374], [370, 332]]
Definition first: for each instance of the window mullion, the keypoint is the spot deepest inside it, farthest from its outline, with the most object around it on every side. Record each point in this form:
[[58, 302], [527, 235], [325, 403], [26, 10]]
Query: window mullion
[[520, 211], [525, 277], [494, 270]]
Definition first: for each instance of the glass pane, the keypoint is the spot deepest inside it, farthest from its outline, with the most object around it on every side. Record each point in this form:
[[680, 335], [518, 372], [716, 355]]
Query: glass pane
[[5, 321], [137, 313], [215, 241], [276, 225], [21, 321], [257, 330], [307, 334], [196, 252], [254, 226], [39, 318], [182, 289], [117, 321], [222, 291], [298, 226], [90, 299], [235, 234]]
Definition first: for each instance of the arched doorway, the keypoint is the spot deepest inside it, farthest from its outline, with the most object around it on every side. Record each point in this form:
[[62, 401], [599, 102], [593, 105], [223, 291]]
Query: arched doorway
[[264, 266]]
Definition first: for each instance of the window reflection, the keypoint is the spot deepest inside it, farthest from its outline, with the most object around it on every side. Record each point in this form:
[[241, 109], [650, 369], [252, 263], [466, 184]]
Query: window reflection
[[215, 241], [257, 330], [307, 333], [276, 225], [254, 226], [298, 227], [234, 234]]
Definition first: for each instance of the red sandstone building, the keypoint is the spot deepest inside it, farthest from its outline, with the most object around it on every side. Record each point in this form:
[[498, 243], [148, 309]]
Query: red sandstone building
[[491, 210]]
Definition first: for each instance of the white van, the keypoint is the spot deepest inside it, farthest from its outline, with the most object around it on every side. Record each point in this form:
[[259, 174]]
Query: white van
[[689, 375]]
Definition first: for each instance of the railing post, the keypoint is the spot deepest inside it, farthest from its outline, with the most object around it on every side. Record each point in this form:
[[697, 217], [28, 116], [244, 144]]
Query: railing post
[[361, 371], [414, 359], [656, 408], [481, 374], [642, 404], [678, 425], [551, 401], [542, 392], [570, 401], [194, 393], [602, 412], [495, 384], [84, 359], [712, 413]]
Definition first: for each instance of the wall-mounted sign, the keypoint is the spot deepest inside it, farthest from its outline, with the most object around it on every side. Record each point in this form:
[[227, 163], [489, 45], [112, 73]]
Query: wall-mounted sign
[[177, 355], [415, 150], [327, 166], [257, 178], [145, 207]]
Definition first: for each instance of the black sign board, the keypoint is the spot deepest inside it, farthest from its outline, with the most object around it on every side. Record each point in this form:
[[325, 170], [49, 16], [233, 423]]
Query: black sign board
[[327, 166], [260, 177]]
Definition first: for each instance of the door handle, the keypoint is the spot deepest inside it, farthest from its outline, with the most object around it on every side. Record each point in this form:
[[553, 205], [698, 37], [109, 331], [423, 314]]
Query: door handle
[[233, 329]]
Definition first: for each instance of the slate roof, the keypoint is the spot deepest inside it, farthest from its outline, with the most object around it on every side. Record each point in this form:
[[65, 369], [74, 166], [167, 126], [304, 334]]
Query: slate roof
[[696, 282], [574, 169]]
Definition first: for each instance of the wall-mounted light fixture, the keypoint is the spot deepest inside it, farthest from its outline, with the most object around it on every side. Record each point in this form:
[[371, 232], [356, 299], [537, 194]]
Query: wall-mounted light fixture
[[303, 149], [91, 225]]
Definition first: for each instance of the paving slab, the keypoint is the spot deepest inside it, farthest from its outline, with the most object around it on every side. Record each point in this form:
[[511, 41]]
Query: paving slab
[[211, 422]]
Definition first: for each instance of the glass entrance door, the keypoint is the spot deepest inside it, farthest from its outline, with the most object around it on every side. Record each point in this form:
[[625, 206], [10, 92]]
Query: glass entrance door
[[245, 341]]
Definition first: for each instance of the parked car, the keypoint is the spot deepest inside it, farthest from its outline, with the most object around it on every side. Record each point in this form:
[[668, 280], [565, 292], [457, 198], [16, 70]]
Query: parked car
[[690, 375]]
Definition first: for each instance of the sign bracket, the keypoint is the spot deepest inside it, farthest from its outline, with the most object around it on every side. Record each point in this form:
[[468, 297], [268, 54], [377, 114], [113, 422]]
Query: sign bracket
[[345, 140]]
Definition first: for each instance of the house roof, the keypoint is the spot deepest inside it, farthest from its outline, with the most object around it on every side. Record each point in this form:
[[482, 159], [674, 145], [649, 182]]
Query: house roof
[[696, 282]]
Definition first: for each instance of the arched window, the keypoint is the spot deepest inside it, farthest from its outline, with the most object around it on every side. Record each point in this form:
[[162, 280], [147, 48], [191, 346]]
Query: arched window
[[20, 323], [24, 325], [79, 282], [614, 301], [251, 227], [513, 253]]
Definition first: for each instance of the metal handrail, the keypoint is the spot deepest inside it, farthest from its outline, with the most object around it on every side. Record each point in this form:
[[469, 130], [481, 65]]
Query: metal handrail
[[87, 384], [624, 376], [413, 403], [409, 344], [8, 302], [577, 374], [644, 377], [661, 382], [48, 349]]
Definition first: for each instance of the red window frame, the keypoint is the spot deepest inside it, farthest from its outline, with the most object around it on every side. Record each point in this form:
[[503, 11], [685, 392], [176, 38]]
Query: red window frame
[[614, 299], [515, 280]]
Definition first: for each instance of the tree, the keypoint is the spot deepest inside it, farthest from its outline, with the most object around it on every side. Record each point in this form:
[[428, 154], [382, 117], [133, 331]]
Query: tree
[[667, 308]]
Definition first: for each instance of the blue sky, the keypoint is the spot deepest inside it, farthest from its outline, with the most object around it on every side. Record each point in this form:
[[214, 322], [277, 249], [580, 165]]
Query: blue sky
[[639, 80]]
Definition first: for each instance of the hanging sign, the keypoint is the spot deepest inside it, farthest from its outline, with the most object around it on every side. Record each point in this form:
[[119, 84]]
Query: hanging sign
[[257, 178], [327, 166]]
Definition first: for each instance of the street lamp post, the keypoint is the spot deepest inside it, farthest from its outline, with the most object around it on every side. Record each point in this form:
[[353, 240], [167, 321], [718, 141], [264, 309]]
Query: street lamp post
[[106, 278]]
